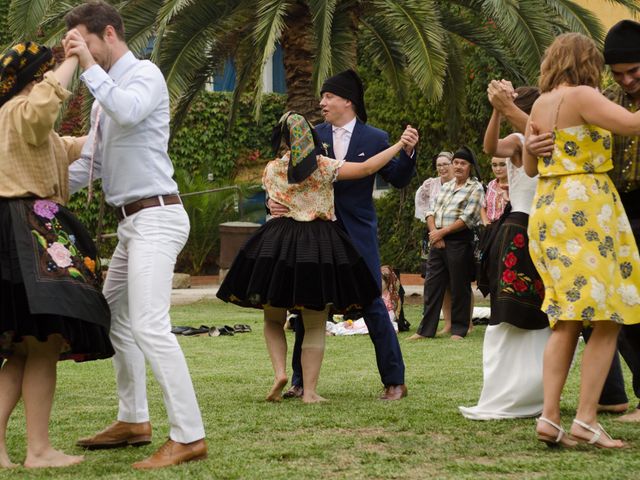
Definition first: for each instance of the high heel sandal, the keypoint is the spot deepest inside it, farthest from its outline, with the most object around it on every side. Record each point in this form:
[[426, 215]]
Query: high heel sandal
[[597, 435], [563, 439]]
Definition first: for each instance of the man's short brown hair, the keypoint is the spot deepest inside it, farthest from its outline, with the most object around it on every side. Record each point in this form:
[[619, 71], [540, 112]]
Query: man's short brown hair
[[573, 59], [96, 16]]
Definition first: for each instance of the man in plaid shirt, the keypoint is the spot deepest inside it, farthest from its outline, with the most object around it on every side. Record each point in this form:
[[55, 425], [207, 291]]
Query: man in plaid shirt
[[450, 264]]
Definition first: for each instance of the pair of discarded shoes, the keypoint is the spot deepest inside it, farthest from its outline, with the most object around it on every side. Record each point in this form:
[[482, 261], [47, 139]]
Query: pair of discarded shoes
[[210, 331], [227, 330], [190, 331]]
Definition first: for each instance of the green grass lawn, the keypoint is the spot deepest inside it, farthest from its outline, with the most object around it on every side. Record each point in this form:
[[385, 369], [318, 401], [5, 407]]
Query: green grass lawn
[[353, 436]]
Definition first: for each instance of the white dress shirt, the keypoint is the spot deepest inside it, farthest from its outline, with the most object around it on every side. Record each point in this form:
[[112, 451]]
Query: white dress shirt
[[341, 140], [133, 134]]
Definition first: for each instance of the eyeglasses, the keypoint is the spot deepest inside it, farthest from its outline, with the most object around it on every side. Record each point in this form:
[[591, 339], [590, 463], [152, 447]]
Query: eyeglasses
[[442, 165]]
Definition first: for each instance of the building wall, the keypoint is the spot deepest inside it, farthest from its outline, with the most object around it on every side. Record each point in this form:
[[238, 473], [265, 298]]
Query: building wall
[[607, 12]]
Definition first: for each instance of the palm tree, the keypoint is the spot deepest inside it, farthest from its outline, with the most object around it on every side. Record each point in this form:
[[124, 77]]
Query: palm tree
[[4, 31], [415, 43]]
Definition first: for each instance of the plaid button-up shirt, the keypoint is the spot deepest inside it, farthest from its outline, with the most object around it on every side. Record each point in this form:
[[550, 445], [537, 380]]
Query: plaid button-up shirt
[[454, 203], [626, 154], [34, 160]]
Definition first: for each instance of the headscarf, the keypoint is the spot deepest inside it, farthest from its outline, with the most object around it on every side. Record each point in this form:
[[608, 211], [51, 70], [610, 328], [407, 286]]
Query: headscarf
[[302, 142], [22, 64], [347, 85]]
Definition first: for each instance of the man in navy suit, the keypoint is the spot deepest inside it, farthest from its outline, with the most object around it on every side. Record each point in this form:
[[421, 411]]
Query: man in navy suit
[[346, 135]]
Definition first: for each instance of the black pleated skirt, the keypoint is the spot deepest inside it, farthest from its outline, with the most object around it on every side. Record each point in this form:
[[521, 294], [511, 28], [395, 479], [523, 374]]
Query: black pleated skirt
[[50, 281], [291, 264]]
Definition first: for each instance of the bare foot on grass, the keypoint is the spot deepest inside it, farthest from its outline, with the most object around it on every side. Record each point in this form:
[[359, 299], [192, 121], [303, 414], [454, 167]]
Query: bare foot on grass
[[443, 331], [416, 336], [5, 462], [275, 394], [312, 397], [618, 408], [52, 458], [630, 417]]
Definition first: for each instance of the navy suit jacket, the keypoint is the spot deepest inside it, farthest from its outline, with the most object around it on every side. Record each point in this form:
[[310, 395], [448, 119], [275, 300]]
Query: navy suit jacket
[[354, 198]]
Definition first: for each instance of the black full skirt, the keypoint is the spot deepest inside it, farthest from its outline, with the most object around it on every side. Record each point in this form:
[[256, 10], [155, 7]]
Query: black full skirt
[[517, 291], [290, 264], [43, 293]]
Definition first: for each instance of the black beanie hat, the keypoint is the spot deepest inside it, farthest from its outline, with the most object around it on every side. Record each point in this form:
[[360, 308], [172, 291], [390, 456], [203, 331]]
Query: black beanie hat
[[347, 85], [622, 43], [465, 153]]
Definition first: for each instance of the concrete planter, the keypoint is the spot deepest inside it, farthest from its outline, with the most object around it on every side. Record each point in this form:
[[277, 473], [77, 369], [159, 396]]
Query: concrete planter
[[232, 236]]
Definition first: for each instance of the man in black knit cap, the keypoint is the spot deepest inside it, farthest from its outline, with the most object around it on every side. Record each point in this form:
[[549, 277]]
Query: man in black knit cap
[[622, 54], [346, 135]]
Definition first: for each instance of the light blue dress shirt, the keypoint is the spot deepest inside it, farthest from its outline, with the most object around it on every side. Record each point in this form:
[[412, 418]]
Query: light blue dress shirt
[[133, 133]]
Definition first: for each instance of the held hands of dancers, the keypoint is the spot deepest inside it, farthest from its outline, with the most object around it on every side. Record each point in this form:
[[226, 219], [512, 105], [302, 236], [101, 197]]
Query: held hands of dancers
[[501, 94], [355, 170], [75, 45]]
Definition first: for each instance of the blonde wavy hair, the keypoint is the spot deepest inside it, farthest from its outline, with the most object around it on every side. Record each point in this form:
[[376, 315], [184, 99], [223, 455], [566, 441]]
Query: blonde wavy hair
[[573, 59]]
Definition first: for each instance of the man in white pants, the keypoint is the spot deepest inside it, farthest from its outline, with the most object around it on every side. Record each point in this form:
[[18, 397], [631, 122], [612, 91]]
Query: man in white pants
[[127, 148]]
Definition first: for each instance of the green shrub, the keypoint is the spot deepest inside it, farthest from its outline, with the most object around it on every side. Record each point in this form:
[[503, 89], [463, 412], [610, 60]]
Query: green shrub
[[399, 233], [204, 144], [206, 212]]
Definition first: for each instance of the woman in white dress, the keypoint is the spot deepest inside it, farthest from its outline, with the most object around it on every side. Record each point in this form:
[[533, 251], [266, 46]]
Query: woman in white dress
[[515, 339]]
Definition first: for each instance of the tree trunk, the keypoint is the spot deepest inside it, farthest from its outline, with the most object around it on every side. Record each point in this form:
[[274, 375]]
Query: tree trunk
[[297, 46]]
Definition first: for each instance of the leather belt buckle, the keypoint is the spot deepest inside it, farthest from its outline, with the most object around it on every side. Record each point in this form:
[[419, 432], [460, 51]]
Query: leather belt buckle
[[134, 207]]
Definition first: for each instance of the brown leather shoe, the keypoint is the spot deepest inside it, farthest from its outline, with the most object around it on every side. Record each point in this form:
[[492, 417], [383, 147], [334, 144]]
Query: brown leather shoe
[[174, 453], [394, 392], [118, 434]]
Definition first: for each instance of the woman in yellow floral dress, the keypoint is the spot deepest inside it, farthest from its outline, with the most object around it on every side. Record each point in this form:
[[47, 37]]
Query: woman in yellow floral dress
[[580, 237]]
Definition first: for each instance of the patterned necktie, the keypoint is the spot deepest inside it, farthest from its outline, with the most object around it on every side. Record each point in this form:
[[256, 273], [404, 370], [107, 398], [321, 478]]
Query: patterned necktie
[[339, 148], [94, 148]]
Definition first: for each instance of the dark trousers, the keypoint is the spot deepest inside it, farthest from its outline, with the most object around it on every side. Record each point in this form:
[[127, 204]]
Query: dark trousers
[[385, 344], [629, 338], [613, 392], [629, 348], [451, 267]]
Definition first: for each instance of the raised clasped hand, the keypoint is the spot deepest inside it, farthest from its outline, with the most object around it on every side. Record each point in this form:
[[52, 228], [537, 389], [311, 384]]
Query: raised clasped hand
[[409, 138], [501, 94], [74, 44]]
